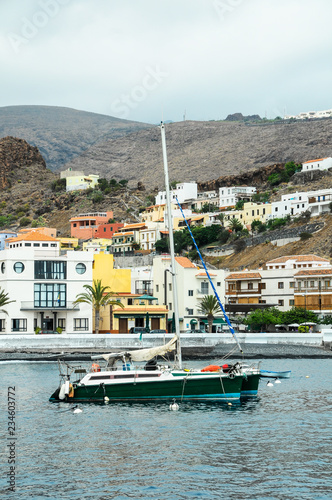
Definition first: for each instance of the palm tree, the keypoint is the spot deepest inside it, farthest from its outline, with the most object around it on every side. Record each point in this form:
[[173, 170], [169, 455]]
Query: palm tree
[[4, 300], [98, 296], [209, 306]]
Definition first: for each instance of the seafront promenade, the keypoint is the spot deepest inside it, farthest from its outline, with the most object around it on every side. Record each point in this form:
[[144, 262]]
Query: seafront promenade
[[193, 345]]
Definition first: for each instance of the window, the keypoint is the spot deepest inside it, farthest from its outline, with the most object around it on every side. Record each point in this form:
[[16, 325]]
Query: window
[[292, 284], [27, 244], [2, 325], [250, 286], [19, 325], [170, 287], [312, 284], [81, 324], [280, 285], [36, 244], [130, 302], [280, 302], [3, 267], [62, 323], [327, 284], [291, 302], [263, 286], [190, 312], [18, 267], [44, 244], [218, 283], [157, 288], [49, 295], [205, 287], [80, 268], [50, 270], [191, 293]]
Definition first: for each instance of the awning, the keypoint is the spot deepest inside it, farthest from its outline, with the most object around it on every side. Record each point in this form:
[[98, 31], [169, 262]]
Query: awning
[[193, 321], [216, 321]]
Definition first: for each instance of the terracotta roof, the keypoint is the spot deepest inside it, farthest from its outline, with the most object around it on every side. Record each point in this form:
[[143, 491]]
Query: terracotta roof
[[297, 258], [312, 161], [243, 276], [184, 262], [32, 236], [314, 272], [204, 274], [134, 226]]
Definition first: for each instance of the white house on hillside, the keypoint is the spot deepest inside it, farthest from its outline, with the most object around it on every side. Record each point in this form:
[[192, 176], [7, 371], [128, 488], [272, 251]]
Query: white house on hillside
[[319, 164], [229, 196], [184, 191], [44, 286]]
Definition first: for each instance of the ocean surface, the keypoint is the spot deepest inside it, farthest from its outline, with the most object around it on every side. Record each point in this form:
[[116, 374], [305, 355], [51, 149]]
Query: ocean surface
[[278, 446]]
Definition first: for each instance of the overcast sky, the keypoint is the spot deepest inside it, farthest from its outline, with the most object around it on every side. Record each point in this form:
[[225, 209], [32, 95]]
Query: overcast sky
[[149, 60]]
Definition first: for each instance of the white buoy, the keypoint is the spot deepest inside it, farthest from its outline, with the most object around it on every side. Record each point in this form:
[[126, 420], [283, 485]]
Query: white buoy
[[277, 381], [174, 406], [106, 399], [269, 384], [77, 410], [229, 404]]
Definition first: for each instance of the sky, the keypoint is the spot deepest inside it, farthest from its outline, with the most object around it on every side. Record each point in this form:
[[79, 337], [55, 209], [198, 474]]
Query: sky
[[152, 60]]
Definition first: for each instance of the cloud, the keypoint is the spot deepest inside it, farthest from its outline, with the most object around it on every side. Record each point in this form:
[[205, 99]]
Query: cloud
[[220, 57]]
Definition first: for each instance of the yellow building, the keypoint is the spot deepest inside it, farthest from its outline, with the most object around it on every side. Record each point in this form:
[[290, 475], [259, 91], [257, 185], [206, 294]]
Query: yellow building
[[68, 243], [80, 182], [97, 244], [251, 211], [138, 309]]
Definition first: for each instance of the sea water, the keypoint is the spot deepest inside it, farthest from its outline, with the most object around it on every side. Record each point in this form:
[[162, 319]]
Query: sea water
[[277, 446]]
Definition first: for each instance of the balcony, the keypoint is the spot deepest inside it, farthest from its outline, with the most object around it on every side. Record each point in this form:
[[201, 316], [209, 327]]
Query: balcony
[[254, 291], [30, 306]]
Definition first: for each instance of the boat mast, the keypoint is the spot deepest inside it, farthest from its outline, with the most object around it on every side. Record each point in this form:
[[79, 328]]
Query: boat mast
[[171, 244]]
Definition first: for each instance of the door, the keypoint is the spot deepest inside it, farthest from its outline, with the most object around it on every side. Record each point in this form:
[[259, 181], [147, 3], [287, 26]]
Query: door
[[123, 325], [47, 325]]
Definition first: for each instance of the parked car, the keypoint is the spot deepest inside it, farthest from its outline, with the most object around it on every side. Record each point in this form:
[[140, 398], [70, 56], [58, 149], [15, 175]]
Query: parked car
[[137, 329], [158, 331]]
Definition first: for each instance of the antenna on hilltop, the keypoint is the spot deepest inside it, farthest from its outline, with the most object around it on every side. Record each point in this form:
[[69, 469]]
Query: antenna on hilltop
[[184, 116]]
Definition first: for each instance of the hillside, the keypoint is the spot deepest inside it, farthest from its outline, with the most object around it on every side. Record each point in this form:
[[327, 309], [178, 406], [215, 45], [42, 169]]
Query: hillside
[[61, 134], [27, 197], [26, 193], [204, 151]]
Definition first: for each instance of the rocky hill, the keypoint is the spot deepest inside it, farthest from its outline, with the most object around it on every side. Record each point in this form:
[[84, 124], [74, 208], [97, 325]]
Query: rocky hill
[[205, 151], [61, 134], [30, 194]]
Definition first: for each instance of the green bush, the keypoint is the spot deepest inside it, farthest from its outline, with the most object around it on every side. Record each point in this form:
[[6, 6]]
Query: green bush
[[25, 221]]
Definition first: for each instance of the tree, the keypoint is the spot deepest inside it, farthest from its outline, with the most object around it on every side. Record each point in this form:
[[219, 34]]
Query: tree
[[4, 300], [209, 306], [98, 296], [260, 319], [239, 205], [161, 245], [298, 315], [235, 225]]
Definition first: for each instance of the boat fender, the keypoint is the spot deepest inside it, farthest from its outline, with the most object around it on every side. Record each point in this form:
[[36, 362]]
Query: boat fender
[[62, 392], [226, 368], [71, 391], [95, 367], [67, 387], [211, 368], [231, 375]]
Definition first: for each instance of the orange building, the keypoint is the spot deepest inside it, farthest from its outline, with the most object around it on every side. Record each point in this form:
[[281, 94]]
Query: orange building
[[85, 226]]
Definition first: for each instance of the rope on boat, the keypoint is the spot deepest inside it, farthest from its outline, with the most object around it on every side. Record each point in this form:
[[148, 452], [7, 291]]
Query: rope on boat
[[210, 280], [222, 385]]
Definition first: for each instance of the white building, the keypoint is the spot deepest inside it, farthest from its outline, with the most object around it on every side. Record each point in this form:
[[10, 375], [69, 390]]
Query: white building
[[192, 286], [298, 202], [311, 114], [319, 164], [184, 191], [44, 286], [229, 196]]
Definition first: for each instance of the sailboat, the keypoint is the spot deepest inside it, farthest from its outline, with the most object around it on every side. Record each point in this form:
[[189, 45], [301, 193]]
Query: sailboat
[[122, 380]]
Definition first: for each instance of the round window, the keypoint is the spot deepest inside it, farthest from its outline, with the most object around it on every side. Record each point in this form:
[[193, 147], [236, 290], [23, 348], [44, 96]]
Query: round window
[[3, 267], [19, 267], [80, 268]]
